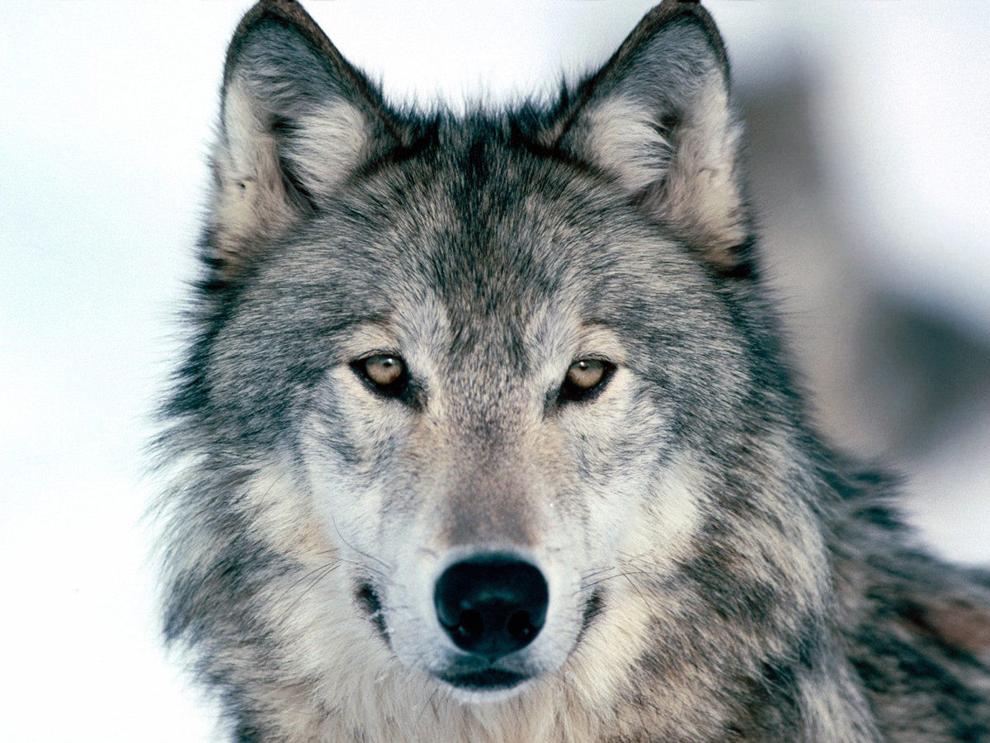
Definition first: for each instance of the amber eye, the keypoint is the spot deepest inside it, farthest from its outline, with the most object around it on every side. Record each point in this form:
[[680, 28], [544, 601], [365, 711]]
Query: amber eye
[[585, 379], [384, 373]]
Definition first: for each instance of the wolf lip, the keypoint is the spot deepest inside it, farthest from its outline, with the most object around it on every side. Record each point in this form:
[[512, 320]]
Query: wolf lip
[[368, 599], [491, 679]]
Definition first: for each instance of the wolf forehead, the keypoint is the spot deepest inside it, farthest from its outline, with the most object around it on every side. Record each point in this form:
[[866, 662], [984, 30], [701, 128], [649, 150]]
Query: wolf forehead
[[472, 246], [472, 223]]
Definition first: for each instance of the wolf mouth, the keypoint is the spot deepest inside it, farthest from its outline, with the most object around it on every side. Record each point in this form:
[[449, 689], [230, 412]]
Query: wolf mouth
[[491, 679]]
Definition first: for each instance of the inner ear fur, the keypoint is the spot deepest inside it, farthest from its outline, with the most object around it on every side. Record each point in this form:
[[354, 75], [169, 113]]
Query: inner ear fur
[[658, 119], [296, 121]]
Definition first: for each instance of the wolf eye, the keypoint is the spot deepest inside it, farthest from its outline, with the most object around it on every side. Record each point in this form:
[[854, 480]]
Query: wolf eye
[[585, 378], [384, 373]]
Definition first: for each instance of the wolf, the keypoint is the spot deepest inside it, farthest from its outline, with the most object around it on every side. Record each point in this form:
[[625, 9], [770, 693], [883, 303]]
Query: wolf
[[486, 431]]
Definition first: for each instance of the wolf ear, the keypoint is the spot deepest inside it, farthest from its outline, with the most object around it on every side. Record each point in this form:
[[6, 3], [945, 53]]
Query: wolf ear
[[296, 119], [658, 118]]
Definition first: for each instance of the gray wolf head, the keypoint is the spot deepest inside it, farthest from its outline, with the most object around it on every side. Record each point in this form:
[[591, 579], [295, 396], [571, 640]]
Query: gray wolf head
[[480, 406]]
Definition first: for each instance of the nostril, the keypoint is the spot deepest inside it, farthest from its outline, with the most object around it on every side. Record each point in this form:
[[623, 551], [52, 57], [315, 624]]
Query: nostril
[[521, 626], [492, 605], [469, 625]]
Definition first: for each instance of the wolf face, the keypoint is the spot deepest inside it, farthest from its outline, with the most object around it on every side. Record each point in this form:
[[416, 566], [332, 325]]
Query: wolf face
[[470, 399], [490, 393]]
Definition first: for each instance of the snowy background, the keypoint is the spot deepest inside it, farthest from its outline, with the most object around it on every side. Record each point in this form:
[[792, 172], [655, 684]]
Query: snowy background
[[870, 159]]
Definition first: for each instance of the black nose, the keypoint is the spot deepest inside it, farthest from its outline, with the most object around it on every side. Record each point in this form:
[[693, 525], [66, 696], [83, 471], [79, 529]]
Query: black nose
[[492, 605]]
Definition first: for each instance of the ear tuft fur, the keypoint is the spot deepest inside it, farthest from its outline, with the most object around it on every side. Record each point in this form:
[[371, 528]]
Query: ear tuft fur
[[296, 120], [658, 119]]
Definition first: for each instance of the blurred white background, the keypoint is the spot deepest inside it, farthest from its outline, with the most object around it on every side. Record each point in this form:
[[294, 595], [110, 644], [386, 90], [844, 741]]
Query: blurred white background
[[869, 126]]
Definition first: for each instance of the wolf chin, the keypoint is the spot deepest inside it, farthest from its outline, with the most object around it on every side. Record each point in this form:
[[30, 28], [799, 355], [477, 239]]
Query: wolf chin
[[485, 432]]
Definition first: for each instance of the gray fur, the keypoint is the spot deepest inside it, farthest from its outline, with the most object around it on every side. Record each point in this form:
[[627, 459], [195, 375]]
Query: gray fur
[[717, 572]]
